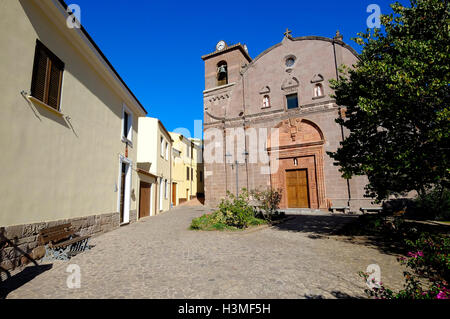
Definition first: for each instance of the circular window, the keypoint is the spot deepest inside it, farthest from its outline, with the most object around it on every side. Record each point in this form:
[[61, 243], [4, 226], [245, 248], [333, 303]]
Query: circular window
[[290, 61]]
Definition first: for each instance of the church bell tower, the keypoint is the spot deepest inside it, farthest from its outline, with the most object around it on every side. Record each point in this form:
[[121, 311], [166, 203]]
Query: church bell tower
[[222, 66]]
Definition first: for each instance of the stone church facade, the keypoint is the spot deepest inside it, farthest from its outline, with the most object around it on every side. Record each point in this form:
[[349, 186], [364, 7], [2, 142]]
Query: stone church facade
[[287, 88]]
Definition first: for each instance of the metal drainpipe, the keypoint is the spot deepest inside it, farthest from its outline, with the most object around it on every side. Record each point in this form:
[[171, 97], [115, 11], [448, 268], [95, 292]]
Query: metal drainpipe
[[225, 156], [340, 117], [170, 172], [245, 136], [192, 167]]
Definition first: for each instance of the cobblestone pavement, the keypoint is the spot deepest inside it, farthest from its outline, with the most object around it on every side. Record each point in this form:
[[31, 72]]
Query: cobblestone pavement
[[158, 257]]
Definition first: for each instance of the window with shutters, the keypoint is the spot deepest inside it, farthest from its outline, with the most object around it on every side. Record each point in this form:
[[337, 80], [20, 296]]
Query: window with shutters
[[188, 151], [48, 71], [167, 151], [127, 125]]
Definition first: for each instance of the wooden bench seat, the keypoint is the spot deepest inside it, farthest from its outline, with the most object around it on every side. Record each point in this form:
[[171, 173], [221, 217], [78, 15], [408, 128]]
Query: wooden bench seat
[[61, 242], [344, 209], [366, 210], [70, 242]]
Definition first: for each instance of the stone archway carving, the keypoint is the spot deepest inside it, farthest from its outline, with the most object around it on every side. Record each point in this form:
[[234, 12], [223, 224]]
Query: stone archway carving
[[299, 146]]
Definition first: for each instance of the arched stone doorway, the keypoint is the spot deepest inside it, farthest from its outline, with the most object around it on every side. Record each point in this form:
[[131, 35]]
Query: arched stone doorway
[[296, 163]]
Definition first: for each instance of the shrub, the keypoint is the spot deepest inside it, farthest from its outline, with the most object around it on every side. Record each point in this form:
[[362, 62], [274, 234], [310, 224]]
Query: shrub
[[434, 204], [413, 289], [236, 211], [233, 213], [428, 257], [269, 202]]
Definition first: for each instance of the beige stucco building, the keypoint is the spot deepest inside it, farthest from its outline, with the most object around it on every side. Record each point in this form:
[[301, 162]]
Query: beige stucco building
[[187, 172], [154, 164], [68, 130]]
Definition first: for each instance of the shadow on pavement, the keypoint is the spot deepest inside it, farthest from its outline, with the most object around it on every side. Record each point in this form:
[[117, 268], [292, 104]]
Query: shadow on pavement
[[319, 225], [336, 294], [21, 278]]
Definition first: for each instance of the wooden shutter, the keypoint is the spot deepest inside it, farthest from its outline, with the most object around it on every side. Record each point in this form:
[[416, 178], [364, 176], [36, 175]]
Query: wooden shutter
[[125, 124], [39, 75], [54, 88], [47, 76]]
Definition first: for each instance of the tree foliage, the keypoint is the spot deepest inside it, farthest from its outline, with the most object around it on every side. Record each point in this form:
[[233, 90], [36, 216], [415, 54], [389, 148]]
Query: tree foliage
[[396, 100]]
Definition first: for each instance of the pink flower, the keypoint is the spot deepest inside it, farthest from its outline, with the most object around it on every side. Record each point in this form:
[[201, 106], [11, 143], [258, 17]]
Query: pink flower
[[415, 255], [442, 295]]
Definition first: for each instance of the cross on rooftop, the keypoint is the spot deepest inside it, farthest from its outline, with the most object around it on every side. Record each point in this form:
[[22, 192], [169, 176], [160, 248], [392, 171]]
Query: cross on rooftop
[[287, 33]]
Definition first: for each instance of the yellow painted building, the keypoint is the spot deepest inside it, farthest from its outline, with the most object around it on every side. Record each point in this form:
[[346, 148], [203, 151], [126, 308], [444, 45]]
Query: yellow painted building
[[154, 167], [187, 169]]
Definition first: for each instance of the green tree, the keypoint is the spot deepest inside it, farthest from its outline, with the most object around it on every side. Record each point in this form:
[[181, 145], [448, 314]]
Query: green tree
[[396, 99]]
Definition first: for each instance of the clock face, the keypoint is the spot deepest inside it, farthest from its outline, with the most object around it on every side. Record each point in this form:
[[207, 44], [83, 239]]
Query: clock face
[[220, 46]]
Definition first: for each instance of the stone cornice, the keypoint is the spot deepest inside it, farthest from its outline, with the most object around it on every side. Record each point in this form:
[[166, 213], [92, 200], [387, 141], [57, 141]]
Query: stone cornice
[[317, 38], [272, 115], [237, 46], [218, 88]]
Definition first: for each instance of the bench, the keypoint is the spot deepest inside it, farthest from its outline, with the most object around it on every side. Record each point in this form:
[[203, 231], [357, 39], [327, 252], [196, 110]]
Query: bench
[[61, 242], [366, 210], [344, 209]]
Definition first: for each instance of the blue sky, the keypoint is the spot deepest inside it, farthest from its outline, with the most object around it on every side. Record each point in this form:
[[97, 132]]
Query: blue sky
[[156, 46]]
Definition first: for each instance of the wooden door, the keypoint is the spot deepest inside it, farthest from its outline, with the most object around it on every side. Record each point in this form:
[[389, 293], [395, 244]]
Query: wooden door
[[297, 188], [144, 199], [174, 194]]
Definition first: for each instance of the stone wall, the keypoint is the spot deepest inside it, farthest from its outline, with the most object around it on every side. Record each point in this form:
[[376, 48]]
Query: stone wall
[[16, 241], [133, 216]]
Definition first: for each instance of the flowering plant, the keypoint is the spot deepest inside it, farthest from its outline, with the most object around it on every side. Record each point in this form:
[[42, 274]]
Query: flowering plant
[[428, 258]]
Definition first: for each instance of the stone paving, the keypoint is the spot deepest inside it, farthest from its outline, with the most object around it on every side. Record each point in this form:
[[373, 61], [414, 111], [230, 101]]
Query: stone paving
[[158, 257]]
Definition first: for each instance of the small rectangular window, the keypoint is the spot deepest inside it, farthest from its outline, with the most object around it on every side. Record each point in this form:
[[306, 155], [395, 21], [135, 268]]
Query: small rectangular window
[[127, 125], [292, 101], [187, 173], [48, 71], [167, 151], [162, 147]]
